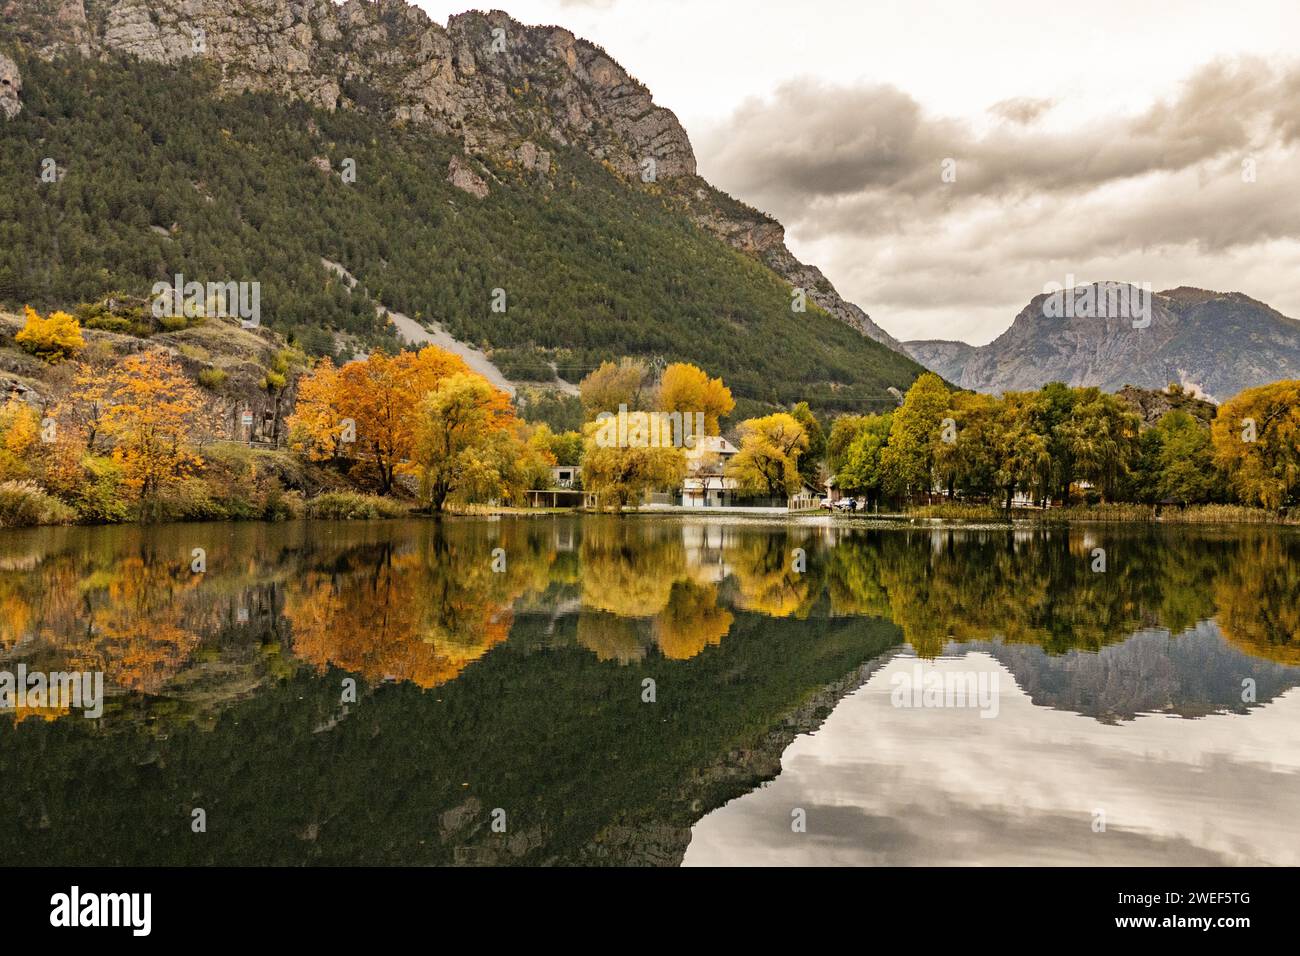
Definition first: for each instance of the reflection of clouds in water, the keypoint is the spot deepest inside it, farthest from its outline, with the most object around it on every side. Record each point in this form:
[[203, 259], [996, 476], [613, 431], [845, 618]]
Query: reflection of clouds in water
[[902, 786]]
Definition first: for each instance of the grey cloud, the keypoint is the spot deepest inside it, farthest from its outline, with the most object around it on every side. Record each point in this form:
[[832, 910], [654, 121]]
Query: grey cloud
[[1022, 109], [856, 171]]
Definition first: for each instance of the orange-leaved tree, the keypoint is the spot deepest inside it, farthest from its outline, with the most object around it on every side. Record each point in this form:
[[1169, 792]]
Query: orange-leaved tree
[[366, 411], [149, 420]]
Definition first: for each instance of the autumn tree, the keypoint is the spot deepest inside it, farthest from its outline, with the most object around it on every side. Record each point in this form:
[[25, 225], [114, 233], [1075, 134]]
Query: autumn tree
[[366, 412], [83, 407], [1256, 440], [20, 427], [1054, 405], [965, 458], [686, 389], [465, 445], [844, 431], [768, 460], [149, 422], [620, 475], [317, 427], [564, 447], [627, 382], [1022, 455], [1100, 434], [810, 462]]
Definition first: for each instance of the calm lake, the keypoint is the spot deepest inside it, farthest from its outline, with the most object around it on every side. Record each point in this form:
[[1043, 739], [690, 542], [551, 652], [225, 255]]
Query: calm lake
[[663, 691]]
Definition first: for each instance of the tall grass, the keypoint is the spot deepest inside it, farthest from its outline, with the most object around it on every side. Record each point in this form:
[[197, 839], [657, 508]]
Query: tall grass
[[24, 504], [348, 505]]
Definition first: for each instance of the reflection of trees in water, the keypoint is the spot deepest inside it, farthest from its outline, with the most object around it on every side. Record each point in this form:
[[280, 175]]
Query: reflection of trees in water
[[1258, 599], [135, 618], [766, 582], [419, 601], [418, 611], [647, 583], [691, 621], [1039, 587]]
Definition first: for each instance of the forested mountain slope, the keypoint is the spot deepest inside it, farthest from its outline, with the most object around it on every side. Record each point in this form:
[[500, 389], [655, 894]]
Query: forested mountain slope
[[186, 165]]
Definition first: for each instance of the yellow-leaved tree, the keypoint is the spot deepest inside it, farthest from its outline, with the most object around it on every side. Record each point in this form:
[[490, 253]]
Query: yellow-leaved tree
[[621, 474], [20, 426], [467, 446], [768, 460], [686, 389], [1256, 437]]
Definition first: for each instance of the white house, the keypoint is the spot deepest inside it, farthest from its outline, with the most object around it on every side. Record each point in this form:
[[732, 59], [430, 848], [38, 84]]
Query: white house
[[706, 484]]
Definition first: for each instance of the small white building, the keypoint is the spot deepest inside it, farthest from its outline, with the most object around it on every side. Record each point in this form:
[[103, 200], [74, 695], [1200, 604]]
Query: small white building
[[565, 476], [706, 484]]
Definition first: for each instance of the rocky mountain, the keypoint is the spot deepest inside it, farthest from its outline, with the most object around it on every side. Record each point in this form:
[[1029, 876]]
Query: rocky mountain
[[1153, 404], [507, 92], [1212, 343]]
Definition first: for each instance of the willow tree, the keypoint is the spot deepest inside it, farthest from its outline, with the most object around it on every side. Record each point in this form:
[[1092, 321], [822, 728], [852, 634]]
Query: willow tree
[[1256, 438], [914, 436], [768, 460]]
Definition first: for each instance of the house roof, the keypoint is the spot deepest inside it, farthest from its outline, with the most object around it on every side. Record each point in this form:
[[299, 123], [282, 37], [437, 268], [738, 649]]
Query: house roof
[[713, 443]]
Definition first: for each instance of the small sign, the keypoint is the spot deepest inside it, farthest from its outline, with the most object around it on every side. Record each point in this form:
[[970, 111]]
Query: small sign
[[246, 419]]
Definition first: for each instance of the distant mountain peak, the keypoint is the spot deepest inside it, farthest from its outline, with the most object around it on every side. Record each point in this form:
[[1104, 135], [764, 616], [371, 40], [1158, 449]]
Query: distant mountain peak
[[1212, 343]]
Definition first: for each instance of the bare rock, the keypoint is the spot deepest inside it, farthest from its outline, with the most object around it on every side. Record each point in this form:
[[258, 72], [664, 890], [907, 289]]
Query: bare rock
[[462, 176], [11, 86]]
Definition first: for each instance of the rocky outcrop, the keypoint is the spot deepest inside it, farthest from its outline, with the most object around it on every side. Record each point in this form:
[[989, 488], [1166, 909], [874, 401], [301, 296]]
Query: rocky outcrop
[[497, 85], [11, 86], [763, 238], [1212, 344], [484, 77], [1153, 404], [460, 175]]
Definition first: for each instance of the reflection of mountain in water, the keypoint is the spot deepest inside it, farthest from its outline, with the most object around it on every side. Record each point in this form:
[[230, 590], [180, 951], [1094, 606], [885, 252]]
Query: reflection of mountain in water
[[522, 689], [1191, 675]]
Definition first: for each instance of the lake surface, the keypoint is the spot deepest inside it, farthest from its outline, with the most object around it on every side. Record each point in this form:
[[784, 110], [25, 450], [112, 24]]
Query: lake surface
[[654, 691]]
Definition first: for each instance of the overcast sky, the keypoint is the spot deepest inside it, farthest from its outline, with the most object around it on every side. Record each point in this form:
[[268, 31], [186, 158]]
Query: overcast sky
[[1104, 140]]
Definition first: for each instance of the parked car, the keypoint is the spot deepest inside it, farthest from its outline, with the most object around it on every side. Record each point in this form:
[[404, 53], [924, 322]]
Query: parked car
[[827, 504], [844, 504]]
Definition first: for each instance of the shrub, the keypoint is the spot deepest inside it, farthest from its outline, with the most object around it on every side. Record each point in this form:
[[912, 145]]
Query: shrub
[[53, 338], [279, 505], [24, 504], [99, 497], [191, 499], [347, 505], [212, 378], [174, 323]]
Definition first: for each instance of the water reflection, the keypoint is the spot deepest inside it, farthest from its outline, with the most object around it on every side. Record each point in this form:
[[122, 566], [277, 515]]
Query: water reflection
[[503, 660]]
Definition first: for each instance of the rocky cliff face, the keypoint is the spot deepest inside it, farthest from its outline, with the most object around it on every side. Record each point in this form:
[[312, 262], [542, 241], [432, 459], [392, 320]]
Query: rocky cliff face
[[501, 87], [11, 87], [1212, 343]]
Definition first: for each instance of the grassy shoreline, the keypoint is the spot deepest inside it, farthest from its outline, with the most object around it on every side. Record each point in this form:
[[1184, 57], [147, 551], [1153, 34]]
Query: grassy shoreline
[[356, 506]]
